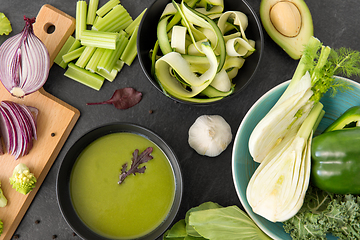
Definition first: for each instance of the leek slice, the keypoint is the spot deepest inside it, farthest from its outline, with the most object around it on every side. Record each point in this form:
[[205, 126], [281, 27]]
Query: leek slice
[[175, 61]]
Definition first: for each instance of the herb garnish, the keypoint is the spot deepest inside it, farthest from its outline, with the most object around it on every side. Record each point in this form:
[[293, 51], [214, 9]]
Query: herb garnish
[[136, 161]]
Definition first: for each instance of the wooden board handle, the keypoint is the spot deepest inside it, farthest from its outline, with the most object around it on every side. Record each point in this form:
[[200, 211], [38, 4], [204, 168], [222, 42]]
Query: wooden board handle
[[53, 27]]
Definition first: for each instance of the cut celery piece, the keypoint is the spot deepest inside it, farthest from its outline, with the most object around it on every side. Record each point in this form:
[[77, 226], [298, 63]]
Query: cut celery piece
[[85, 56], [130, 51], [72, 55], [85, 77], [65, 49], [108, 62], [119, 65], [107, 7], [93, 6], [94, 60], [130, 29], [99, 39], [108, 76], [81, 12], [117, 19]]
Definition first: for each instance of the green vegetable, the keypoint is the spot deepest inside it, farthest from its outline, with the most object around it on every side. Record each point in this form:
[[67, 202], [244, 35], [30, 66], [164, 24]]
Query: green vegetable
[[350, 116], [22, 179], [336, 156], [1, 227], [84, 76], [93, 6], [281, 140], [3, 200], [212, 221], [324, 213], [99, 52], [5, 25], [81, 13], [65, 49], [184, 28]]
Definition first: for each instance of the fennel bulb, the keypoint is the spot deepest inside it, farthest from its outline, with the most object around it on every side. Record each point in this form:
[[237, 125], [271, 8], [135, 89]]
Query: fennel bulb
[[281, 141]]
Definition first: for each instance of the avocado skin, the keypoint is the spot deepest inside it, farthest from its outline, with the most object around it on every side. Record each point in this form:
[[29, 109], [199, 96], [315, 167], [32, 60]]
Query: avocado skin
[[293, 46]]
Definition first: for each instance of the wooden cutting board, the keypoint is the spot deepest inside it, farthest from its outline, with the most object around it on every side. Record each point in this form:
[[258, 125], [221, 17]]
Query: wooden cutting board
[[54, 123]]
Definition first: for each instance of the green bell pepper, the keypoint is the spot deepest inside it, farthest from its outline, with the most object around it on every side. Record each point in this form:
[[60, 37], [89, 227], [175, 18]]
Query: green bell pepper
[[336, 155]]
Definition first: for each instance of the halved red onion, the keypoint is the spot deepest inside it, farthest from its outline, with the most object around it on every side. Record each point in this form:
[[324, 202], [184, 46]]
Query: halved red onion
[[24, 62], [18, 127]]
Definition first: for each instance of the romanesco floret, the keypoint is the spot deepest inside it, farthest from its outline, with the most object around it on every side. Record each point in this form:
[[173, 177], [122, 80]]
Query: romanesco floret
[[1, 227], [3, 200], [5, 25], [22, 179]]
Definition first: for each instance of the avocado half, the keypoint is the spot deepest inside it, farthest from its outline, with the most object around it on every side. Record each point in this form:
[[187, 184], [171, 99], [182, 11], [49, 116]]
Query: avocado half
[[288, 23]]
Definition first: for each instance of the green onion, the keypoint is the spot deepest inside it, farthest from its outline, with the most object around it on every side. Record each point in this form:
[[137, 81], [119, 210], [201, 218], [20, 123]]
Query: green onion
[[83, 76]]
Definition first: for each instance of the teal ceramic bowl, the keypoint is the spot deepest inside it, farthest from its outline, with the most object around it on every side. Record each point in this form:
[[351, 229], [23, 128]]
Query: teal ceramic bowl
[[243, 165]]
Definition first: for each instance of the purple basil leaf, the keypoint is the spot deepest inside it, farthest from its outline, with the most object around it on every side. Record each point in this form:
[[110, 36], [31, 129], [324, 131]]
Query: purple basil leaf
[[136, 161], [123, 98]]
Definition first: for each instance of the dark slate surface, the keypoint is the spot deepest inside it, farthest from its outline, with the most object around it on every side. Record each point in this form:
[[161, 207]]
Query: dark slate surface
[[205, 179]]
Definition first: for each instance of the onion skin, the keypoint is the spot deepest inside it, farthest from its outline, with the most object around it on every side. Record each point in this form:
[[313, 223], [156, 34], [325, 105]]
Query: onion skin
[[24, 62]]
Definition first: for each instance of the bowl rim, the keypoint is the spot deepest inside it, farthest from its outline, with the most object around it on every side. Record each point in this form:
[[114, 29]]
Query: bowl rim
[[152, 81], [242, 196], [63, 176]]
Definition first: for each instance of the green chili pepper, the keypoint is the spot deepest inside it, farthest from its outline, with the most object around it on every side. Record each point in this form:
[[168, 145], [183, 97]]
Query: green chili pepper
[[336, 155]]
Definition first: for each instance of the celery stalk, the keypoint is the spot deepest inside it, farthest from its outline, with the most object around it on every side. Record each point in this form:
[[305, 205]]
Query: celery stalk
[[115, 55], [93, 6], [65, 49], [94, 60], [81, 12], [118, 65], [83, 76], [130, 51], [99, 39], [72, 55], [130, 29], [85, 56], [108, 76], [117, 19], [107, 7]]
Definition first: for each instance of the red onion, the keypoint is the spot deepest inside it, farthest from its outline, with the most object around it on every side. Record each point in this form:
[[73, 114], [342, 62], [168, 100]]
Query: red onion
[[24, 62], [18, 127]]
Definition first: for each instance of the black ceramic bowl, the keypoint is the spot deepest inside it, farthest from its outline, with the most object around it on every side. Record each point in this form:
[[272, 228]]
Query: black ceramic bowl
[[147, 38], [63, 179]]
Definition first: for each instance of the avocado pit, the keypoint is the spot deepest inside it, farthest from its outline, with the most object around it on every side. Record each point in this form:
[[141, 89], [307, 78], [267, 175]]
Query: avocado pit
[[286, 18]]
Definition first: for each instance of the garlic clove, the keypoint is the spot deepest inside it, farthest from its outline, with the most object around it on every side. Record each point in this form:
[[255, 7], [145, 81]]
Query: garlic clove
[[210, 135]]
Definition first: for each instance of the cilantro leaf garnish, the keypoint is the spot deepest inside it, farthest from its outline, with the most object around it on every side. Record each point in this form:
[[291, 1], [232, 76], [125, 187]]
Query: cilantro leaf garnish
[[136, 161]]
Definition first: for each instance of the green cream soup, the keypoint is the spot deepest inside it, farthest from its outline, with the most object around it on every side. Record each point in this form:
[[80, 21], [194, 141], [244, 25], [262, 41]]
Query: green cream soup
[[131, 209]]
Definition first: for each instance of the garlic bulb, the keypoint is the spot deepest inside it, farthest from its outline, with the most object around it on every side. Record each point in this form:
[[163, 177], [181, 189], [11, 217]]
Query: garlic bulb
[[210, 135]]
